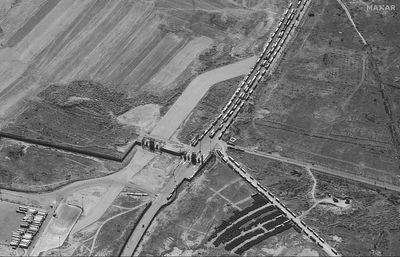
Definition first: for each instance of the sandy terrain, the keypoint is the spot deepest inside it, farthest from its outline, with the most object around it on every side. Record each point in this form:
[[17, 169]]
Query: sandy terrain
[[58, 228], [145, 117], [157, 173], [9, 221]]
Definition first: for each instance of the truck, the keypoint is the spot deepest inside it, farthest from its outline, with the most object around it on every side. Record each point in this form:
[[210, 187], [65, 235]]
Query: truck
[[212, 133], [224, 159], [264, 62]]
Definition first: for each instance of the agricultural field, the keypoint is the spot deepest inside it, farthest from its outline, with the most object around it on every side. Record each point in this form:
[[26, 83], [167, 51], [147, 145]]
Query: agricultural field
[[325, 103], [220, 214], [369, 226], [106, 236], [93, 75]]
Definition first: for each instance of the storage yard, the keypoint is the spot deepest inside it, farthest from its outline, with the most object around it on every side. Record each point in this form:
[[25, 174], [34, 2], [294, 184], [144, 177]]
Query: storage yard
[[30, 226], [20, 226]]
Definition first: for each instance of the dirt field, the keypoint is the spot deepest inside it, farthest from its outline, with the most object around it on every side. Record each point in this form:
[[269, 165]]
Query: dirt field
[[9, 221], [157, 173], [369, 227], [324, 103], [58, 228], [365, 225], [185, 226], [30, 168], [106, 236], [290, 183]]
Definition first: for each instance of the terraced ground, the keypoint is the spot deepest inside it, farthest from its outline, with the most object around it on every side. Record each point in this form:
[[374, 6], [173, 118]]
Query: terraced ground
[[62, 63]]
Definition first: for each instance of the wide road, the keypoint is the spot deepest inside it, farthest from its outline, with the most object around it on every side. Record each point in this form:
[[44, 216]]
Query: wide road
[[184, 172], [195, 91]]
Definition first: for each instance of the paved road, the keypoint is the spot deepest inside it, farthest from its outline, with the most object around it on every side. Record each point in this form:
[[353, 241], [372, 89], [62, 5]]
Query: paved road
[[184, 172], [322, 169], [195, 91]]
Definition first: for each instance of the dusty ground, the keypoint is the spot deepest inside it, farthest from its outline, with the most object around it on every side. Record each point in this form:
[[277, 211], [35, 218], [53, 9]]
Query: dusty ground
[[368, 227], [31, 168], [144, 117], [324, 103], [107, 235], [58, 228], [9, 222], [157, 173], [290, 183], [365, 225], [184, 227]]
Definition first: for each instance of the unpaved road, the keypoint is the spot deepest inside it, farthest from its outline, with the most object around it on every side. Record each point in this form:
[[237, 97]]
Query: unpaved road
[[323, 169], [352, 22]]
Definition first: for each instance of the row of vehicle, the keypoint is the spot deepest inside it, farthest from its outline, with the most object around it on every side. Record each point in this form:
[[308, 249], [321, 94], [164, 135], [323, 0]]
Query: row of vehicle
[[314, 236], [246, 87], [258, 186], [31, 223]]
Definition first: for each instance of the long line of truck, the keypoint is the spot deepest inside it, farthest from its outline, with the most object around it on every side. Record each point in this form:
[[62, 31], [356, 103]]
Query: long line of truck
[[271, 49], [299, 225]]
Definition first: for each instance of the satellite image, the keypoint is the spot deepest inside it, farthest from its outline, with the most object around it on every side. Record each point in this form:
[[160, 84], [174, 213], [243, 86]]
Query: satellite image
[[199, 128]]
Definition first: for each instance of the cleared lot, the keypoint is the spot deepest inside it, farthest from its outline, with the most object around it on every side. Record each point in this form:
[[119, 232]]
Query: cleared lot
[[9, 220], [58, 228]]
